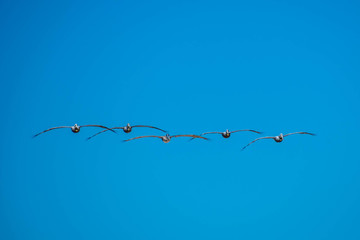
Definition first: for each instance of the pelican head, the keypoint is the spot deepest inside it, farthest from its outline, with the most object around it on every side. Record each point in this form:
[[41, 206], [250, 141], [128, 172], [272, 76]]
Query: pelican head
[[127, 128], [279, 138], [75, 128], [166, 138], [226, 134]]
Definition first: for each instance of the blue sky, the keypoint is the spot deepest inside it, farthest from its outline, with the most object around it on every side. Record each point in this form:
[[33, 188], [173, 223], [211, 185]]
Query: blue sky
[[187, 67]]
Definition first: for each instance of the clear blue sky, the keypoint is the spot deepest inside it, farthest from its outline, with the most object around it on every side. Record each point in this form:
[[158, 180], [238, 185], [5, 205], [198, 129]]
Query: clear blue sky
[[187, 67]]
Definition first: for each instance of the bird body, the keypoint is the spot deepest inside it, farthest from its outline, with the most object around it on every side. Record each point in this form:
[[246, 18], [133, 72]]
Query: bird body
[[166, 138], [75, 128], [279, 138], [226, 134], [127, 128]]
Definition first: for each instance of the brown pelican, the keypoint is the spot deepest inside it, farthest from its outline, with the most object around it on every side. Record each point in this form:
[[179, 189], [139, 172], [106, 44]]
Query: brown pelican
[[167, 137], [74, 129], [279, 138], [227, 133], [126, 129]]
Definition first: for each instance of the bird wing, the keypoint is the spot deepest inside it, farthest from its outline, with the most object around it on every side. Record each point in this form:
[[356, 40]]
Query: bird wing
[[94, 125], [149, 127], [249, 130], [189, 135], [141, 137], [104, 131], [51, 129], [210, 133], [299, 133], [205, 134], [256, 140]]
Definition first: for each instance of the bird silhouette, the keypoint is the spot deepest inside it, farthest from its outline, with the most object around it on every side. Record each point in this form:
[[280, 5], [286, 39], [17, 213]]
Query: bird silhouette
[[74, 129], [227, 133], [279, 138], [127, 129]]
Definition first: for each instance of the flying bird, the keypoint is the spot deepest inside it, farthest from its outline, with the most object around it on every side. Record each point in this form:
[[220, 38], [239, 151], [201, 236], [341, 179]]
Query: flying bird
[[279, 138], [167, 137], [227, 133], [126, 129], [74, 129]]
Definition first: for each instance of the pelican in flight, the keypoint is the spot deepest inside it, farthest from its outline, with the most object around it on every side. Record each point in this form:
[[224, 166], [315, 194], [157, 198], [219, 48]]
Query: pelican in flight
[[227, 133], [126, 129], [74, 129], [279, 138], [167, 137]]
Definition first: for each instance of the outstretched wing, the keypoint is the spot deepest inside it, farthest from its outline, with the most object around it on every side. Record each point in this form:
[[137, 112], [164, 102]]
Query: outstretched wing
[[206, 133], [51, 129], [110, 129], [190, 135], [210, 133], [299, 133], [100, 126], [249, 130], [256, 140], [141, 137], [149, 127]]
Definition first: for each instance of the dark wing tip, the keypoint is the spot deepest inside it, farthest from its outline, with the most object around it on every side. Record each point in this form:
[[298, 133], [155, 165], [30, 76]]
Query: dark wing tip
[[312, 134], [245, 147], [249, 130], [127, 140], [88, 138], [258, 132], [148, 126], [199, 136]]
